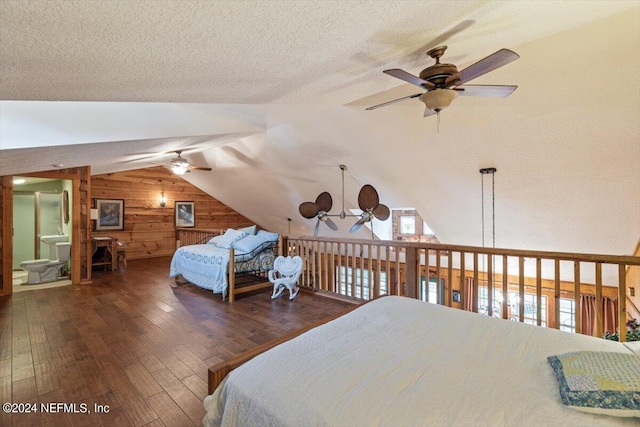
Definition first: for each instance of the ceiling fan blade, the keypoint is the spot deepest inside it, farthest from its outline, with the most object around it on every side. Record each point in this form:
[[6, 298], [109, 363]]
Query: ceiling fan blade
[[409, 78], [490, 63], [493, 91], [324, 201], [384, 104], [428, 112], [332, 225], [368, 198], [355, 227], [308, 209], [199, 168], [382, 212], [315, 231]]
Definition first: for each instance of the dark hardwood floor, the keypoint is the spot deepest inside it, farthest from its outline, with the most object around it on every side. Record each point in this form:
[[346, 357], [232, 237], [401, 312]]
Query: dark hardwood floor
[[133, 343]]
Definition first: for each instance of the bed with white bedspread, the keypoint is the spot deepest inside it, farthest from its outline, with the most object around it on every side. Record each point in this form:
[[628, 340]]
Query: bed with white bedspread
[[401, 362], [208, 265]]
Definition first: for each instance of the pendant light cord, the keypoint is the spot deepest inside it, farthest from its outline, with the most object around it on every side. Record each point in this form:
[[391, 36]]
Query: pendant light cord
[[493, 207]]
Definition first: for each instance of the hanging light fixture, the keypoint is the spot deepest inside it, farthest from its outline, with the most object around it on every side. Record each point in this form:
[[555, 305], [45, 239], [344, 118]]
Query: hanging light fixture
[[483, 172], [180, 169], [438, 99]]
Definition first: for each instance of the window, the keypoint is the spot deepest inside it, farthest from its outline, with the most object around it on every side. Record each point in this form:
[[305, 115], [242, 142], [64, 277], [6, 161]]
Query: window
[[432, 292], [344, 280], [407, 224], [483, 301], [530, 308], [567, 315]]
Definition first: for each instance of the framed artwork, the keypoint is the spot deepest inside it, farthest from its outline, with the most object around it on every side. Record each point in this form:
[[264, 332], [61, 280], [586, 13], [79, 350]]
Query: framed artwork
[[110, 214], [185, 214]]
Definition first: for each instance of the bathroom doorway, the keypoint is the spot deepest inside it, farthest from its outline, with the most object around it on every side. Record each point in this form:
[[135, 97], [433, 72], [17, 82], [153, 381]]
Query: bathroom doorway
[[40, 208]]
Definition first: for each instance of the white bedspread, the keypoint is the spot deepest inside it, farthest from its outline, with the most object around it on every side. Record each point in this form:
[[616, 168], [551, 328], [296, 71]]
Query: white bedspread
[[401, 362]]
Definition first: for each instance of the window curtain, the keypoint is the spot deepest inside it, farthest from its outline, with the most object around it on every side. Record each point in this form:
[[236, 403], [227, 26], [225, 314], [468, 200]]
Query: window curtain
[[468, 285], [588, 314]]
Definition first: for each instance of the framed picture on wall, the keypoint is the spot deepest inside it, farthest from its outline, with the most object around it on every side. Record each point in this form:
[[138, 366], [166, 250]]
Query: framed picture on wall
[[185, 214], [110, 214]]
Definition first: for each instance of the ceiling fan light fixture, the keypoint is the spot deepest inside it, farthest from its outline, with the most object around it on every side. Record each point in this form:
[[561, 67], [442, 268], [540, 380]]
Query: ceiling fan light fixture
[[438, 99], [179, 169]]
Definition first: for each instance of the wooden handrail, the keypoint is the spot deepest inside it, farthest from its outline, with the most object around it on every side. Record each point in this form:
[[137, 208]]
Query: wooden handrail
[[564, 256]]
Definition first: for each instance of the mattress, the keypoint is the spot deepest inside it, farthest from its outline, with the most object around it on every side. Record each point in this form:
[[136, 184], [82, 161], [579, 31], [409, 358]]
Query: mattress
[[401, 362]]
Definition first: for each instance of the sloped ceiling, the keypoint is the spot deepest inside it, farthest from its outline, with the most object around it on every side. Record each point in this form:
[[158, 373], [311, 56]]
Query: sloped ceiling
[[271, 95]]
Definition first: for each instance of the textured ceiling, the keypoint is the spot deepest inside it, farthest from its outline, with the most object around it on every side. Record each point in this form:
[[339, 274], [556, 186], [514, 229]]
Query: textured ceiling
[[272, 96]]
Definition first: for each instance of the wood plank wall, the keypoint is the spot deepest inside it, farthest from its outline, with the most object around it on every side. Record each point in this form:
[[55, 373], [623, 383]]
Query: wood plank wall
[[149, 229]]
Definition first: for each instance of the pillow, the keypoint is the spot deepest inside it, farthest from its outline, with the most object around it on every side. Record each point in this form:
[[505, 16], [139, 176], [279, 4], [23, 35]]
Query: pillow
[[214, 240], [229, 238], [599, 382], [248, 244], [268, 236], [248, 230]]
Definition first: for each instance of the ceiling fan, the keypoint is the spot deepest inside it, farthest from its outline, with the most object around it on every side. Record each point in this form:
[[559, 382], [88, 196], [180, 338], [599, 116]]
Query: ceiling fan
[[180, 166], [368, 201], [371, 208], [443, 82]]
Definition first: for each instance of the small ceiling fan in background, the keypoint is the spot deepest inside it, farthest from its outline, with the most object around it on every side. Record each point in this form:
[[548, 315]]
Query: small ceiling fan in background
[[443, 82], [180, 166], [368, 201]]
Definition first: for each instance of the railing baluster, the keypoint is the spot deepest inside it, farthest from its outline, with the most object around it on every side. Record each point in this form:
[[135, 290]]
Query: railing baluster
[[505, 287], [333, 267], [474, 302], [438, 289], [449, 285], [370, 272], [489, 285], [387, 265], [521, 289], [538, 291], [576, 295], [340, 270], [427, 272], [622, 308], [353, 270], [464, 295], [599, 311], [399, 290], [556, 283]]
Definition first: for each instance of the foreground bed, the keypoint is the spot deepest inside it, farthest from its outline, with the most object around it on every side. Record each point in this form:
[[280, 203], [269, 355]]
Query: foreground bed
[[398, 361]]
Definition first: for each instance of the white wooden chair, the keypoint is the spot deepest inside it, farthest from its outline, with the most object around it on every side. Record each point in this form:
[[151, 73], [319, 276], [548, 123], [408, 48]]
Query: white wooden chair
[[285, 274]]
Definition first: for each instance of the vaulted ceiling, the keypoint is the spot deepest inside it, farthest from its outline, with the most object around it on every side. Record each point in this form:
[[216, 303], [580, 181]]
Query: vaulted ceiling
[[272, 96]]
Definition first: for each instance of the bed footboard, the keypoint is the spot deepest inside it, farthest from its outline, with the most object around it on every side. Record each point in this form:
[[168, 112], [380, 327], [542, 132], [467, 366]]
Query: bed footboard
[[232, 290]]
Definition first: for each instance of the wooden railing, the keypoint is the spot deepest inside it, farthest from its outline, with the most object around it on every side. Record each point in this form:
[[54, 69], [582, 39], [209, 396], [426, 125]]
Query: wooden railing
[[365, 269], [195, 236]]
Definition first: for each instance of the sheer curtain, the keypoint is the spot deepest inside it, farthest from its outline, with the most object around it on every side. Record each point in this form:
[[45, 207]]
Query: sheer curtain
[[468, 303], [588, 314]]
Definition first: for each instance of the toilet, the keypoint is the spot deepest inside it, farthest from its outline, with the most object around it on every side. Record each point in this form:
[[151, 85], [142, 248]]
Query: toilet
[[44, 270]]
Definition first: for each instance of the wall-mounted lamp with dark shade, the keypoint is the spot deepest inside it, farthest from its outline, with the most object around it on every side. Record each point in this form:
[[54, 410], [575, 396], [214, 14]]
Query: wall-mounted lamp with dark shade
[[163, 200]]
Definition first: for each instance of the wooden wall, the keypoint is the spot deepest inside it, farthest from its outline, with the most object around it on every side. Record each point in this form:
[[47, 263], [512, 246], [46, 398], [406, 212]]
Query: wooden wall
[[6, 240], [149, 229]]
